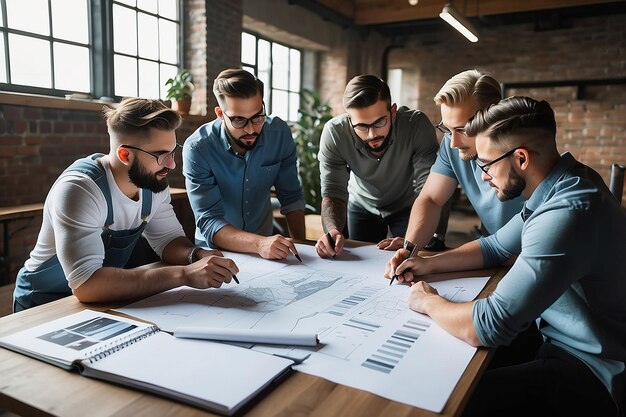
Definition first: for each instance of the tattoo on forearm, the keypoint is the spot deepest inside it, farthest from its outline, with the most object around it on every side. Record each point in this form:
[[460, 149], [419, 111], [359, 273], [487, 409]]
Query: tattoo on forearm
[[334, 214]]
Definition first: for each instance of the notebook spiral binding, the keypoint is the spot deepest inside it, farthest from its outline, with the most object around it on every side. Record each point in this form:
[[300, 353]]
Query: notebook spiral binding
[[107, 350]]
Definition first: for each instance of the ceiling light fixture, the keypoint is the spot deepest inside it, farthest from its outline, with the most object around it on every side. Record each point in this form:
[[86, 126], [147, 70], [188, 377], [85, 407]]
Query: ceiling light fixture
[[413, 2], [459, 22]]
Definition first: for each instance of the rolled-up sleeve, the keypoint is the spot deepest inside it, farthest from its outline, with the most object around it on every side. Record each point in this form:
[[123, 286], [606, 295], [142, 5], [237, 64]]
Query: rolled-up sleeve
[[503, 244], [204, 194]]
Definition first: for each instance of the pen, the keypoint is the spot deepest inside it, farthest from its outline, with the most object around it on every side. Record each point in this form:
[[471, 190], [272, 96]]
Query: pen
[[413, 252], [296, 255], [248, 335], [235, 278], [331, 241]]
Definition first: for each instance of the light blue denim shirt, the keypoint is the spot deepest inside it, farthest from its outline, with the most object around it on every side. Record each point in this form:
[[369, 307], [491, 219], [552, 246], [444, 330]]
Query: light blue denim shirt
[[571, 271], [493, 213], [225, 188]]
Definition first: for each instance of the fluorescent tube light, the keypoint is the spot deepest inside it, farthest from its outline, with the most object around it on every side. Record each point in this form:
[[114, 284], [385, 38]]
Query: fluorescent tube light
[[459, 22]]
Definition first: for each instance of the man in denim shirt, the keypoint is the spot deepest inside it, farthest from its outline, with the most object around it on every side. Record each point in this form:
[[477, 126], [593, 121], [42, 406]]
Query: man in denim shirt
[[570, 239], [231, 164]]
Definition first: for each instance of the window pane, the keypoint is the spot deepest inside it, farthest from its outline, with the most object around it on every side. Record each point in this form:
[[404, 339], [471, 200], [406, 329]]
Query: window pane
[[294, 70], [30, 61], [264, 55], [168, 8], [147, 5], [294, 105], [167, 72], [31, 16], [249, 69], [3, 61], [265, 77], [1, 17], [148, 79], [279, 104], [71, 67], [125, 76], [70, 20], [168, 38], [129, 2], [280, 66], [148, 27], [248, 48], [124, 30]]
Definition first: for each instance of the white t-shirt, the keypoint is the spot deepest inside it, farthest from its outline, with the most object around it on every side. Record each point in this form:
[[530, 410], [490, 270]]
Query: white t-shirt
[[73, 219]]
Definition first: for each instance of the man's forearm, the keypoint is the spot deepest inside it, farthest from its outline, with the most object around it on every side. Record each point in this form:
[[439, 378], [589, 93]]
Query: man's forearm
[[295, 221], [113, 284], [236, 240], [334, 214], [422, 222], [455, 318], [464, 258]]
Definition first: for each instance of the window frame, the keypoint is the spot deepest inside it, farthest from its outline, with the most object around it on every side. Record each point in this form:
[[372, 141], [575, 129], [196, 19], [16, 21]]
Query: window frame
[[269, 89], [101, 52]]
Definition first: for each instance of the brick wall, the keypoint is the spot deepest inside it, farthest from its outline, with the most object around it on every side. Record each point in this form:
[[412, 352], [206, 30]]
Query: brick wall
[[36, 145], [592, 129]]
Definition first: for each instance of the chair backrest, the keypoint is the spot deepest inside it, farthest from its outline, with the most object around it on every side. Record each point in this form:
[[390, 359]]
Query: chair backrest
[[616, 184]]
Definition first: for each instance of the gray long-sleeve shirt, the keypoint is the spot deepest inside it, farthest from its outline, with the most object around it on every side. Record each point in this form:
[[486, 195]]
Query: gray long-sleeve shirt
[[382, 185]]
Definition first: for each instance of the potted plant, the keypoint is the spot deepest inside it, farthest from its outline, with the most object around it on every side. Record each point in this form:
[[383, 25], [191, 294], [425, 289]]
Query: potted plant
[[307, 132], [179, 91]]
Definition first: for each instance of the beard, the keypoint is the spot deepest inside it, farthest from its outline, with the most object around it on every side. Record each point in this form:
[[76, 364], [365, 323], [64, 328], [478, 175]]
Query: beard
[[145, 179], [239, 142], [385, 143], [467, 156], [513, 187]]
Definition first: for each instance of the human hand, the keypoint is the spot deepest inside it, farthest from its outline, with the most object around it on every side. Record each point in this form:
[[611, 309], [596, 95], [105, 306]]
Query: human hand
[[276, 247], [210, 272], [396, 259], [390, 243], [326, 248], [421, 292], [203, 253]]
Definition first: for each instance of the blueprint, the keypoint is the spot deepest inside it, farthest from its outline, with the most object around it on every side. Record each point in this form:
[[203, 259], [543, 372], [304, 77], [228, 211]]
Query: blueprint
[[370, 339]]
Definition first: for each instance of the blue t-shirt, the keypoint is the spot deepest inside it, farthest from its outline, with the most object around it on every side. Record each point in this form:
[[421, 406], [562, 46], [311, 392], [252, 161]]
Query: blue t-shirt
[[225, 188], [571, 242], [493, 213]]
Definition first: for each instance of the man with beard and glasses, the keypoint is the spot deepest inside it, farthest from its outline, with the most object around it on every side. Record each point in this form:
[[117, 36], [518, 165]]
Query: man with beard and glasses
[[459, 98], [99, 208], [570, 241], [230, 166], [374, 160]]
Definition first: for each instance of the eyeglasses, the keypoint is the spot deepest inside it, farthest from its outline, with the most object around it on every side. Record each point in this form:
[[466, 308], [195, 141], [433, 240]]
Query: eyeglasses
[[364, 127], [485, 167], [440, 127], [161, 157], [240, 122]]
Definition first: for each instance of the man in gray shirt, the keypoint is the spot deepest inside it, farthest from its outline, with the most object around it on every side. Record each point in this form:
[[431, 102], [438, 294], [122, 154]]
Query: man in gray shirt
[[374, 161]]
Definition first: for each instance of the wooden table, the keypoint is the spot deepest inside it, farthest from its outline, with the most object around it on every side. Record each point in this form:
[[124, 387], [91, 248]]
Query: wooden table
[[31, 387]]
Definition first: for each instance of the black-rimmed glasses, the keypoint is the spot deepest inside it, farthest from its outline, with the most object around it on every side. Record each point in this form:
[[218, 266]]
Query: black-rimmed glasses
[[485, 167], [443, 129], [161, 157], [240, 122], [365, 128]]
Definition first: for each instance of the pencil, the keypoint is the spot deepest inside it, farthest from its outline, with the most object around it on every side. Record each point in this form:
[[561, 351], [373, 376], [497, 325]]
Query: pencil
[[331, 241]]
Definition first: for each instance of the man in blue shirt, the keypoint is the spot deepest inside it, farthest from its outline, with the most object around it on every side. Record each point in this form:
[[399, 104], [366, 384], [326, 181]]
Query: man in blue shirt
[[231, 164], [459, 99], [570, 241]]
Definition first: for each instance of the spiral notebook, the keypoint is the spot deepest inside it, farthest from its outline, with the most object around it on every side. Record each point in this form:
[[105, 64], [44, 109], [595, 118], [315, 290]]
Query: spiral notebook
[[217, 377]]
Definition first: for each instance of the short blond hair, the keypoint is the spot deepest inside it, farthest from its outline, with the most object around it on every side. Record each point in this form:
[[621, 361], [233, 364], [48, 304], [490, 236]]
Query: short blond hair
[[471, 83]]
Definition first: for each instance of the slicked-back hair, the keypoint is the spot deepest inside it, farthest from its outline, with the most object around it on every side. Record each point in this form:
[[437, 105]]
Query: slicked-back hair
[[514, 116], [136, 116], [237, 83], [365, 90], [471, 83]]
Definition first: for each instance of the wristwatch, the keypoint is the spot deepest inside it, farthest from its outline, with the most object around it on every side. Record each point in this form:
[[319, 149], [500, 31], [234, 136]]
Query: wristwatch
[[191, 256], [408, 245]]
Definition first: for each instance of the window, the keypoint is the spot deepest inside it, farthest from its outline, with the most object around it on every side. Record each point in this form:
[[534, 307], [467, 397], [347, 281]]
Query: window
[[279, 67], [61, 46]]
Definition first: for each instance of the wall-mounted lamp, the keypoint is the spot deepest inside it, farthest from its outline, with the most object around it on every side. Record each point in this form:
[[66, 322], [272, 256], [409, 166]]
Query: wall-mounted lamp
[[459, 22]]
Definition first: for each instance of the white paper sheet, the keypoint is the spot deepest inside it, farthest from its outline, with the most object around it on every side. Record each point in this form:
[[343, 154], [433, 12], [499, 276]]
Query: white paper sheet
[[349, 304]]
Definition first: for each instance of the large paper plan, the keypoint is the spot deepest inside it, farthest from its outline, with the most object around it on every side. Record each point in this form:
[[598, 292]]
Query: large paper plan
[[370, 339]]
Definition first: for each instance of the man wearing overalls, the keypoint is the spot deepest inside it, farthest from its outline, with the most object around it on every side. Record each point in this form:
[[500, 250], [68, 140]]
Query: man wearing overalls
[[98, 209]]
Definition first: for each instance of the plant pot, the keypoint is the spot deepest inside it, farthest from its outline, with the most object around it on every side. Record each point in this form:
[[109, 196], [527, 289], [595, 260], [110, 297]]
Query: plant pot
[[181, 106]]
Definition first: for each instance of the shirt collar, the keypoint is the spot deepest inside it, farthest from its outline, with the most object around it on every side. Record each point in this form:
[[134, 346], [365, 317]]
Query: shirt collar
[[565, 163]]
